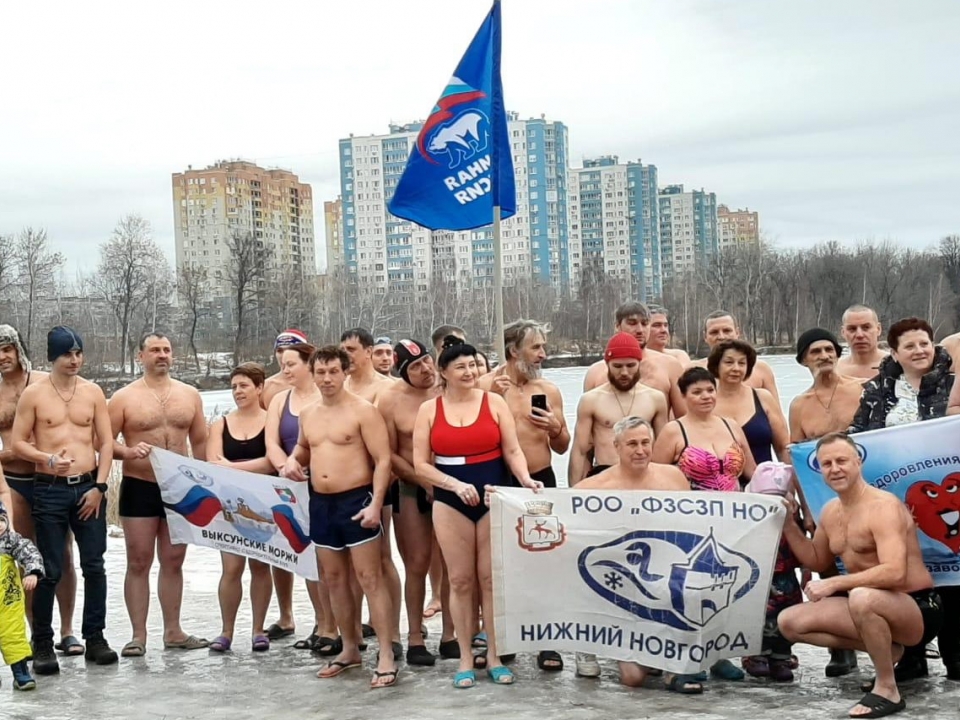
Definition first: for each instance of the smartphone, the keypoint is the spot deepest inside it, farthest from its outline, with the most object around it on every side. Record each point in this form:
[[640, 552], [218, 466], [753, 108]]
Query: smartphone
[[538, 401]]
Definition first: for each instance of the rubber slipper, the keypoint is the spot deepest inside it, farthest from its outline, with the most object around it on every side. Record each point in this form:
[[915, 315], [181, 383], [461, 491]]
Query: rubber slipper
[[308, 643], [685, 685], [479, 640], [275, 632], [191, 642], [480, 661], [338, 667], [464, 679], [726, 670], [261, 643], [70, 646], [391, 676], [221, 644], [367, 631], [550, 661], [449, 649], [419, 655], [134, 648], [327, 646], [879, 706], [501, 675]]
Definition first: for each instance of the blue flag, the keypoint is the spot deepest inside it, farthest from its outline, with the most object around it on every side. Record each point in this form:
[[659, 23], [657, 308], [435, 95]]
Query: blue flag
[[461, 165]]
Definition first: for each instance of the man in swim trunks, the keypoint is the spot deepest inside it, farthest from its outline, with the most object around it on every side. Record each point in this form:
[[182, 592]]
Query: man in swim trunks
[[861, 329], [277, 383], [623, 395], [414, 525], [153, 411], [16, 373], [886, 601], [345, 441], [383, 356], [657, 370]]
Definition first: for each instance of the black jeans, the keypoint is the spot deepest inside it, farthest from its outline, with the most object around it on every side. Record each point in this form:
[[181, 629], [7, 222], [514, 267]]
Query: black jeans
[[948, 639], [55, 508]]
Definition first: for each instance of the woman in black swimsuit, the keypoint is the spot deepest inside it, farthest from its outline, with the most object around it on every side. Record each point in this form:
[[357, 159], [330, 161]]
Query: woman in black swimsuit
[[238, 441]]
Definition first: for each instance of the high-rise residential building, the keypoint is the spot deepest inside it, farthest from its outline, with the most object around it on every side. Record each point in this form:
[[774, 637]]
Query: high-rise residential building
[[384, 253], [333, 227], [738, 227], [236, 196], [688, 229], [613, 226]]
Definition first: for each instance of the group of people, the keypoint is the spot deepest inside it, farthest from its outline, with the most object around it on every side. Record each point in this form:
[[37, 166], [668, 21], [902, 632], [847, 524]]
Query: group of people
[[418, 438]]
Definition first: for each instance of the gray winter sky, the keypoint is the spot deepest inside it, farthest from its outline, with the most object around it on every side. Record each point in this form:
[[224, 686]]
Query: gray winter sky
[[835, 119]]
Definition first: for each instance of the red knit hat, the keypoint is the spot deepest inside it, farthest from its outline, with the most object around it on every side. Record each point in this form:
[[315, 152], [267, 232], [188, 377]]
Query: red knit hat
[[623, 346]]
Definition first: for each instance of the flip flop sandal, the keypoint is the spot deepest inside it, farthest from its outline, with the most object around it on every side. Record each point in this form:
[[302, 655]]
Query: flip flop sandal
[[70, 646], [261, 643], [682, 684], [221, 644], [464, 679], [391, 675], [431, 612], [339, 667], [327, 646], [501, 675], [880, 706], [449, 650], [275, 632], [550, 661], [191, 642], [134, 648]]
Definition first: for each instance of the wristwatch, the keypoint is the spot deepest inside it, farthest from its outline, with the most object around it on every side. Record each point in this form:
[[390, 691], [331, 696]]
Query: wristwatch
[[102, 487]]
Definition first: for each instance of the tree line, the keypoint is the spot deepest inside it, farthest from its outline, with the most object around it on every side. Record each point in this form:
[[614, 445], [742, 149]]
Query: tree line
[[776, 293]]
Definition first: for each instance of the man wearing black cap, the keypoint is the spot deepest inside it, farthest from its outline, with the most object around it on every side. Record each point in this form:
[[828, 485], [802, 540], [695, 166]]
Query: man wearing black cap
[[57, 424], [828, 406]]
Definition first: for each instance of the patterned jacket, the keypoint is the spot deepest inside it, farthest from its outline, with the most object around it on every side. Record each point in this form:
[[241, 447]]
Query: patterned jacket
[[23, 551], [879, 394]]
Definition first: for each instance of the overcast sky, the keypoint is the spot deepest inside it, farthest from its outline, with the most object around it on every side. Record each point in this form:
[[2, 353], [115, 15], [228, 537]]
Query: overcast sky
[[835, 120]]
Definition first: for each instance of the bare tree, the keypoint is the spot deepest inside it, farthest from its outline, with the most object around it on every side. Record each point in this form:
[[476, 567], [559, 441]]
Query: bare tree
[[37, 267], [131, 265], [191, 287], [246, 271]]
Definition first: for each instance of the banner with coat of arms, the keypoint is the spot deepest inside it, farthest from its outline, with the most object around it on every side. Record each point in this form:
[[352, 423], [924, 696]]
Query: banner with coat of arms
[[674, 580], [257, 516]]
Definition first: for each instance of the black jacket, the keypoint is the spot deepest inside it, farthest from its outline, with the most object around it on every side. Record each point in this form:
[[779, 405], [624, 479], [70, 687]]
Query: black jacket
[[879, 394]]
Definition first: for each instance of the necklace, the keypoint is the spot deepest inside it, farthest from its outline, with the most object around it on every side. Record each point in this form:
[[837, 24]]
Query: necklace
[[66, 401], [160, 399], [633, 399], [830, 401]]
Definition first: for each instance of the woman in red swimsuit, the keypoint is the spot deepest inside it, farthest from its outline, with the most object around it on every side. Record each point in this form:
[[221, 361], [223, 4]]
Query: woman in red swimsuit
[[462, 441]]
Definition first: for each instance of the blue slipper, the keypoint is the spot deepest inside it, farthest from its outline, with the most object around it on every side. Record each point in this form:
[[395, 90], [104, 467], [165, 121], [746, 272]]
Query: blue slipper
[[479, 640], [726, 670], [501, 675], [465, 679]]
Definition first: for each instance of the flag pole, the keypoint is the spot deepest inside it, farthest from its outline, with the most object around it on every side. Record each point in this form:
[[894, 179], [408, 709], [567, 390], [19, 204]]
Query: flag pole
[[498, 285]]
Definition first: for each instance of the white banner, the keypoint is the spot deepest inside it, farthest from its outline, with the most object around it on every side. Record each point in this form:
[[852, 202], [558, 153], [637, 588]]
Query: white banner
[[674, 580], [257, 516]]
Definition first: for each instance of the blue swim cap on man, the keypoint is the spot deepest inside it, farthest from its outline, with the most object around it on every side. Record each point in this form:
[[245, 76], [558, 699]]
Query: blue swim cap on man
[[61, 340]]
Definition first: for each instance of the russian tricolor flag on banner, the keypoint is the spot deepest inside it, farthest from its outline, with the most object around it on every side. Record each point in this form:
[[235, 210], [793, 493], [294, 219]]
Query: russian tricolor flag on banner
[[461, 166]]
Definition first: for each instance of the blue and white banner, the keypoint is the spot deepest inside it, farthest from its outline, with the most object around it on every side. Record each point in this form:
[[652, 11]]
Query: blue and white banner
[[258, 516], [674, 581], [920, 464]]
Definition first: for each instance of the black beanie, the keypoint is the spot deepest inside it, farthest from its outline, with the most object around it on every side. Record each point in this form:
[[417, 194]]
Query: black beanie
[[813, 335], [405, 354], [61, 340]]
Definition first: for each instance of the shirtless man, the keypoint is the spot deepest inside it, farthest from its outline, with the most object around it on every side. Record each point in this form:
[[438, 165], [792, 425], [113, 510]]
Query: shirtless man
[[721, 325], [659, 336], [861, 329], [886, 601], [657, 370], [623, 395], [414, 524], [275, 384], [345, 441], [828, 406], [63, 429], [383, 356], [632, 470], [153, 411], [439, 333], [16, 373]]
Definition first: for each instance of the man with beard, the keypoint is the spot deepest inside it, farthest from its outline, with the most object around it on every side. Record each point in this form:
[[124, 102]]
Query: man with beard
[[860, 327], [383, 356], [827, 406], [659, 336], [721, 325], [414, 525], [623, 395], [657, 370], [275, 384], [154, 411], [16, 374]]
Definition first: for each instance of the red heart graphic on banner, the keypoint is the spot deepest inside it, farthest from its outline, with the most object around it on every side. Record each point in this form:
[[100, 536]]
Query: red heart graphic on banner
[[936, 509]]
